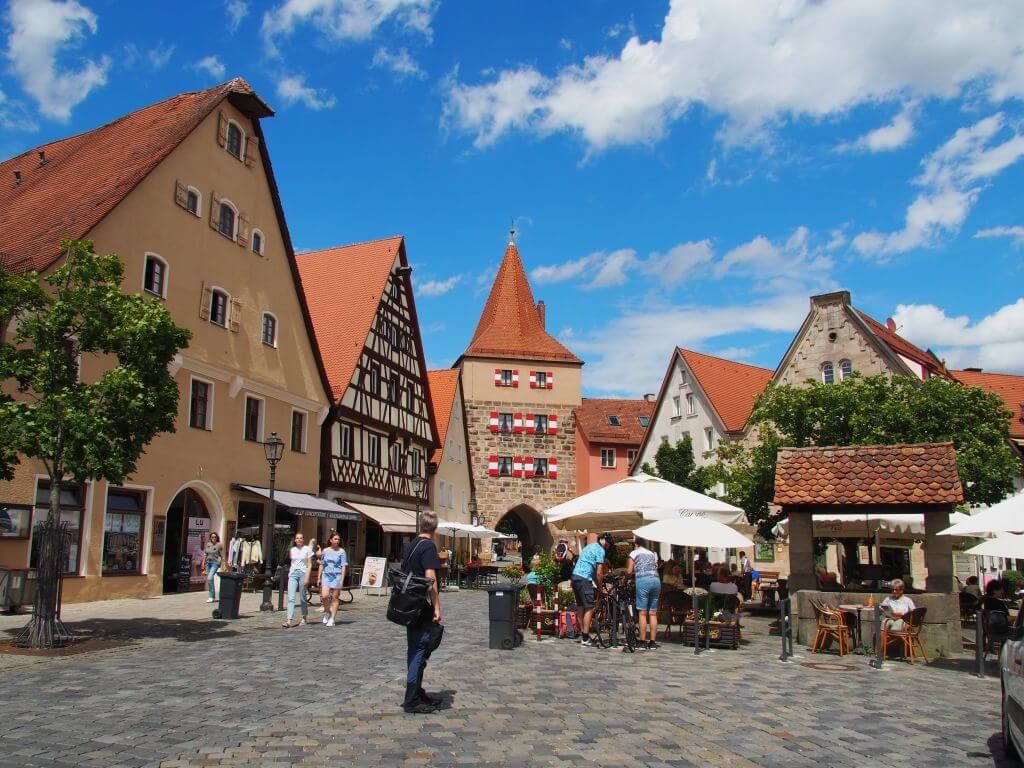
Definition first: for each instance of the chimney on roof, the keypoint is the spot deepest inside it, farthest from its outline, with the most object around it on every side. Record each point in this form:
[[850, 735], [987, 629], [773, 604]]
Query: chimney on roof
[[650, 397], [974, 370], [42, 157], [17, 178], [890, 324], [542, 310]]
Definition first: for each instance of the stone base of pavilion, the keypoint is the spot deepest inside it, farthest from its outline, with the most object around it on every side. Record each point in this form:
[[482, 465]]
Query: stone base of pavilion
[[941, 634]]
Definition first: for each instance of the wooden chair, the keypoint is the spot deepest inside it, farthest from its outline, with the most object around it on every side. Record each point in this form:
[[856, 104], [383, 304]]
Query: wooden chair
[[909, 636], [830, 626]]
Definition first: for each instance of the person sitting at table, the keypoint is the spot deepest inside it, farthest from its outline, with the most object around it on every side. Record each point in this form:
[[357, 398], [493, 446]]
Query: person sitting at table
[[724, 584], [704, 577], [971, 587], [995, 597], [830, 583], [896, 607], [673, 577]]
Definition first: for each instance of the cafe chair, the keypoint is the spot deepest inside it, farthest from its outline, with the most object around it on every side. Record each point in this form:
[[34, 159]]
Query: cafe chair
[[830, 626], [909, 636]]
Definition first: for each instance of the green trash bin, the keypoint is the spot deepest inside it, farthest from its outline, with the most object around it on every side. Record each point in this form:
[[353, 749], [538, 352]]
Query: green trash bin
[[230, 595]]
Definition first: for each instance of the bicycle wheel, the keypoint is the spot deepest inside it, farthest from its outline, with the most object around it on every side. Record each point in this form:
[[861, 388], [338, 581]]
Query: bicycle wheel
[[629, 629], [600, 624]]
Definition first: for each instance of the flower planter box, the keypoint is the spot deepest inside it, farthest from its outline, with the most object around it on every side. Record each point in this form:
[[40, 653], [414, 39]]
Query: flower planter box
[[722, 634]]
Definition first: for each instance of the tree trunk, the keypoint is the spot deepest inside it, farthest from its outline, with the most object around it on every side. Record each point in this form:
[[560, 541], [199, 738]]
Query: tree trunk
[[45, 629]]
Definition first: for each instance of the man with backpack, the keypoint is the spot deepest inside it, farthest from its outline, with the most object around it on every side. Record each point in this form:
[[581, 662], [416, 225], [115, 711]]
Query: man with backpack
[[420, 558]]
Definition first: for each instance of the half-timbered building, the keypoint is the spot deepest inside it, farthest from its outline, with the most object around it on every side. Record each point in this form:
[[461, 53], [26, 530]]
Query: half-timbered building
[[380, 435]]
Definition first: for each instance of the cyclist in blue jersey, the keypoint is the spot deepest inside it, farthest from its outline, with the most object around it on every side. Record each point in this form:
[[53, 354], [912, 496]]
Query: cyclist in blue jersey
[[587, 578]]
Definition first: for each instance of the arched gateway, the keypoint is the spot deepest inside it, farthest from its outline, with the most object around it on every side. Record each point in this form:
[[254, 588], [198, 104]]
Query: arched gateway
[[528, 524]]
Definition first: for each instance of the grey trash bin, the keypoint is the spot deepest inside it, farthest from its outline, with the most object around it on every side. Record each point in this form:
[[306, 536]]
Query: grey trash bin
[[230, 595], [502, 601]]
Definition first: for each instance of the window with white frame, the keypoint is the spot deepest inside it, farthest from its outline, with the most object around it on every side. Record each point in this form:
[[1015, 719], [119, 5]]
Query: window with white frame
[[154, 278], [123, 528], [682, 378], [677, 406], [828, 373], [257, 242], [299, 431], [219, 303], [608, 458], [193, 201], [200, 406], [506, 377], [253, 431], [845, 369], [269, 331], [631, 455], [709, 439], [373, 449], [691, 404], [395, 456], [345, 438], [415, 463], [541, 379], [235, 139]]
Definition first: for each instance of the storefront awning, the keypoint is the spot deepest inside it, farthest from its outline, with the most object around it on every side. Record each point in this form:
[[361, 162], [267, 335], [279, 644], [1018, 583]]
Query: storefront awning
[[304, 504], [390, 519]]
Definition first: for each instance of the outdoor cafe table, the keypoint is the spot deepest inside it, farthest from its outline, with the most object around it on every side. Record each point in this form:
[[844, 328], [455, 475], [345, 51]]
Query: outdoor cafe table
[[858, 610]]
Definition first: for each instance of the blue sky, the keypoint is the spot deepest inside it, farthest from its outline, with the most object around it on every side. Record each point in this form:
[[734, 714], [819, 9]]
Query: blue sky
[[679, 173]]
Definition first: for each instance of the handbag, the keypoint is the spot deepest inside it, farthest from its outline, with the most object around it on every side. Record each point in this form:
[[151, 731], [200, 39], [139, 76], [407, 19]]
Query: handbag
[[436, 632], [410, 595]]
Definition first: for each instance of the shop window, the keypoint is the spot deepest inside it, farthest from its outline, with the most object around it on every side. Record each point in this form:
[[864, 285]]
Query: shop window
[[15, 521], [123, 528], [72, 507]]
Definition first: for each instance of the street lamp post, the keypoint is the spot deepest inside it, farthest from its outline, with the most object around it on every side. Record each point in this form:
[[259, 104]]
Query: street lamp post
[[274, 450], [417, 484]]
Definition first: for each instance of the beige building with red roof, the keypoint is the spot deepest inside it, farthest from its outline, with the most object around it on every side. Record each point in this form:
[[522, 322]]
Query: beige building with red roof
[[183, 191], [451, 476], [608, 437], [520, 386]]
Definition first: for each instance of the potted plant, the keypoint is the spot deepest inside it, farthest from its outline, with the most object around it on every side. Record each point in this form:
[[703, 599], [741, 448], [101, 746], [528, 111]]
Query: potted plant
[[513, 573]]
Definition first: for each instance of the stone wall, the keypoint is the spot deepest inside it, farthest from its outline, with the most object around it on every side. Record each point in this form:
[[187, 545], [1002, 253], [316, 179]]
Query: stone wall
[[496, 495]]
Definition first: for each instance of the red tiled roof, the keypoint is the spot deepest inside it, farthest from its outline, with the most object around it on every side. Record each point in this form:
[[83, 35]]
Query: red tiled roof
[[923, 473], [1007, 386], [86, 176], [731, 387], [343, 288], [901, 346], [592, 420], [443, 386], [510, 325]]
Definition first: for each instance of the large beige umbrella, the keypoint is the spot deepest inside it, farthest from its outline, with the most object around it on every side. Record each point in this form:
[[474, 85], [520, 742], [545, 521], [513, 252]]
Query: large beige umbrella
[[1005, 517]]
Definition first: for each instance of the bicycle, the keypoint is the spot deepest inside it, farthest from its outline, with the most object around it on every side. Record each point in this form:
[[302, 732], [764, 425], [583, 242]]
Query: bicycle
[[615, 613]]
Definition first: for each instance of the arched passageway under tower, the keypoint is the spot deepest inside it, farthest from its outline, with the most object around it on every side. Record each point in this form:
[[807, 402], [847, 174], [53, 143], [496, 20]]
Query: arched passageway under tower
[[528, 524]]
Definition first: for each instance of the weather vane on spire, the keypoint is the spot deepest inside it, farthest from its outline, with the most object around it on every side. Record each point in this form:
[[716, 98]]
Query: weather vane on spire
[[512, 232]]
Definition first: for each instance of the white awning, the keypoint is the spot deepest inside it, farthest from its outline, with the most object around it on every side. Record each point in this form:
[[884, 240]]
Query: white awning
[[390, 519], [304, 504]]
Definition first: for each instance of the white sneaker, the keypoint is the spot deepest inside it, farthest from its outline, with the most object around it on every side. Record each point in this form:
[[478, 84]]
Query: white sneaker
[[210, 600], [330, 622], [327, 617]]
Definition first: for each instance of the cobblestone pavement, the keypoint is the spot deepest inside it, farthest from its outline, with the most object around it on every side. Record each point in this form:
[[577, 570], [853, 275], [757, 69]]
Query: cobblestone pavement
[[313, 696]]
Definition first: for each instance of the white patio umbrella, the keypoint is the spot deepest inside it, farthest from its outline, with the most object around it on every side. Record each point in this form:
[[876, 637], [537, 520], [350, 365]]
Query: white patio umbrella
[[689, 531], [1003, 545], [636, 500], [1005, 517]]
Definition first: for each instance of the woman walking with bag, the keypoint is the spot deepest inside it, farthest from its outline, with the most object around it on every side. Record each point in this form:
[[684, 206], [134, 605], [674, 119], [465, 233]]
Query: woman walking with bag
[[333, 564], [298, 579]]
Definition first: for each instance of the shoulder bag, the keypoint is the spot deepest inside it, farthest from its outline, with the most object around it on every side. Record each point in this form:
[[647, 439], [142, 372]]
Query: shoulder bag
[[410, 594]]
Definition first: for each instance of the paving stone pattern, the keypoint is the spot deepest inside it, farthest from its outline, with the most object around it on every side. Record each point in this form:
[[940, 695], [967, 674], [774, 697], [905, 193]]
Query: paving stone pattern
[[314, 696]]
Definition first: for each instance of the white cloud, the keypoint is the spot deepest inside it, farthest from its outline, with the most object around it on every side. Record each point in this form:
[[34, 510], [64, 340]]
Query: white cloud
[[13, 116], [339, 20], [293, 89], [400, 62], [1015, 232], [438, 287], [604, 270], [159, 56], [993, 342], [951, 182], [213, 66], [42, 30], [679, 262], [758, 63], [888, 137], [236, 10]]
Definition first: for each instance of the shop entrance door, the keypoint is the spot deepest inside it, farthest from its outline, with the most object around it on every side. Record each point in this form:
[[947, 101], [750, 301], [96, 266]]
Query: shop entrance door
[[188, 530]]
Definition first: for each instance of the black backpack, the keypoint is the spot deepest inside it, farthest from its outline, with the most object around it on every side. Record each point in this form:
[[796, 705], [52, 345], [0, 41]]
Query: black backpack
[[410, 594]]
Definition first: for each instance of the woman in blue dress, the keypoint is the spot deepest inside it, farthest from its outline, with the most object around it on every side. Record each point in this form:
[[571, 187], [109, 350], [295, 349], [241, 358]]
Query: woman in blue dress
[[333, 564]]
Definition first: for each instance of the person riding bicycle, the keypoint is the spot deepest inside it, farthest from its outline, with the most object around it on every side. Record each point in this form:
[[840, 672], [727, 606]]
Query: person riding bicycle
[[587, 577], [643, 567]]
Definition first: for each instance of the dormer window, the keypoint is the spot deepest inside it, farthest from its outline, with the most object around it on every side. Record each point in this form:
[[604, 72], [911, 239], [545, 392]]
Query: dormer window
[[828, 373], [234, 141], [613, 421], [226, 221], [644, 421]]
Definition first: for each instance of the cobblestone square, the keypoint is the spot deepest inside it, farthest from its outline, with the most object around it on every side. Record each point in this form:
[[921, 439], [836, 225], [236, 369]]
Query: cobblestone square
[[251, 693]]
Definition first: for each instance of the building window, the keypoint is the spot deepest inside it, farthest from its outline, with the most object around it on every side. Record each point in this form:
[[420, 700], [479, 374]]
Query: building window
[[631, 456], [200, 411], [226, 221], [506, 377], [644, 421], [608, 458], [219, 307], [253, 419], [269, 329], [540, 424], [682, 378], [415, 463], [395, 462], [257, 242], [72, 507], [677, 407], [15, 521], [298, 431], [192, 201], [375, 382], [504, 466], [540, 467], [234, 142], [541, 379], [613, 421], [845, 369], [828, 373], [691, 405], [505, 423], [154, 279], [373, 449], [346, 441], [664, 439], [709, 439], [122, 531]]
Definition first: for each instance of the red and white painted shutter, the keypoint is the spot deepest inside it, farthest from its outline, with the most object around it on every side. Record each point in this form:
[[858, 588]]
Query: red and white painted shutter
[[533, 379], [528, 466], [492, 466], [497, 377], [553, 468], [517, 423], [551, 380], [517, 466], [515, 378], [493, 424], [531, 426], [553, 424]]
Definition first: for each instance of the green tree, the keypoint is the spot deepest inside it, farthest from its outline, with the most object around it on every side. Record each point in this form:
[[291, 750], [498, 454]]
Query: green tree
[[677, 464], [872, 410], [83, 429]]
